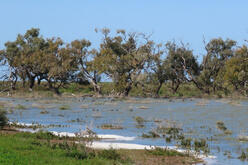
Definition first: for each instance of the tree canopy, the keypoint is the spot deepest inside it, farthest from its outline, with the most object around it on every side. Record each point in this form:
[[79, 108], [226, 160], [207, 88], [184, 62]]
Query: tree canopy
[[129, 59]]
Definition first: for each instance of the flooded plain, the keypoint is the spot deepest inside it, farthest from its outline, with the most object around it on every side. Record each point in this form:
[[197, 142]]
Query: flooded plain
[[222, 123]]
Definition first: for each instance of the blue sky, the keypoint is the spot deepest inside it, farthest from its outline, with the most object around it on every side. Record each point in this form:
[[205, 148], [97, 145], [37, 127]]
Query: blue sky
[[186, 20]]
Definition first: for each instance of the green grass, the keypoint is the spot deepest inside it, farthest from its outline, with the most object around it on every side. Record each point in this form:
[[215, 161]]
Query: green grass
[[27, 148], [20, 107], [165, 152], [64, 107], [186, 90], [76, 88]]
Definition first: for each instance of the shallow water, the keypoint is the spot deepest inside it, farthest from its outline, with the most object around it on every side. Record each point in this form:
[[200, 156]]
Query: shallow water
[[197, 118]]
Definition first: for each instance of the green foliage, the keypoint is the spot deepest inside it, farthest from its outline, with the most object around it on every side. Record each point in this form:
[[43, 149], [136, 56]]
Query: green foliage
[[110, 126], [110, 154], [186, 143], [64, 107], [150, 134], [3, 118], [20, 107], [221, 125], [218, 52], [26, 148], [181, 65], [201, 145], [122, 58], [140, 121], [243, 156], [165, 152], [136, 65]]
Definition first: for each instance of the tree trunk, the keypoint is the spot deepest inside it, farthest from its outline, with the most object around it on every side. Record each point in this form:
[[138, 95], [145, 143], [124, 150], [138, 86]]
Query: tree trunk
[[23, 83], [127, 90], [39, 81], [175, 86], [31, 83], [158, 89], [53, 87], [56, 90], [97, 88]]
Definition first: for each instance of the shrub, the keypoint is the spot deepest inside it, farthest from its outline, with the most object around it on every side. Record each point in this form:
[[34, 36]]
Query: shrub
[[20, 107], [64, 107], [221, 125], [150, 134], [242, 156], [3, 119], [164, 152], [110, 154]]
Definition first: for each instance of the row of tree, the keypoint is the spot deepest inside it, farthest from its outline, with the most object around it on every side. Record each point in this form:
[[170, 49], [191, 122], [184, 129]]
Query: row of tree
[[128, 59]]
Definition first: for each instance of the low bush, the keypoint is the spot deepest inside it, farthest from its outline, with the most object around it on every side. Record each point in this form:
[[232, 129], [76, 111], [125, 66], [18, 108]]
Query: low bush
[[3, 118], [110, 154]]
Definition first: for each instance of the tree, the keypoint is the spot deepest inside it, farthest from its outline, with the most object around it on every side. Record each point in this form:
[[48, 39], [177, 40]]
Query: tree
[[158, 74], [218, 52], [123, 58], [180, 65], [236, 70], [60, 66], [79, 49], [23, 55]]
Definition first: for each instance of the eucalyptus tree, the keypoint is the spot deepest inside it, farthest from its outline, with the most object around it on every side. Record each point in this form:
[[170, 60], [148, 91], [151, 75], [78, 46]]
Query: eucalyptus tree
[[60, 64], [236, 70], [157, 64], [85, 58], [180, 65], [123, 58], [22, 55], [218, 52]]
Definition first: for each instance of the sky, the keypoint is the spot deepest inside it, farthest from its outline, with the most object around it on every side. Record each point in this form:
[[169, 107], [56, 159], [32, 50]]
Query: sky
[[189, 21]]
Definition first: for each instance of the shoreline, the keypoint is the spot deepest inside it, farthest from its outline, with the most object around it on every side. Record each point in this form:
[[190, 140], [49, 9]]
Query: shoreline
[[98, 144], [38, 95]]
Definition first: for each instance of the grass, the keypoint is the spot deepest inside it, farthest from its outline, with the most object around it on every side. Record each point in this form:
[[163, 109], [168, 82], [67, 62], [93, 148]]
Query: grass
[[186, 143], [165, 152], [201, 145], [221, 126], [20, 107], [64, 107], [150, 134], [140, 121], [186, 90], [110, 126], [243, 156], [45, 148], [44, 112], [27, 148]]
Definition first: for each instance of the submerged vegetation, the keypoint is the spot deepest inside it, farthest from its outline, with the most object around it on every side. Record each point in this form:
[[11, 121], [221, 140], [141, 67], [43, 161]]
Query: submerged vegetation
[[20, 107], [136, 65], [110, 126], [64, 107], [222, 127]]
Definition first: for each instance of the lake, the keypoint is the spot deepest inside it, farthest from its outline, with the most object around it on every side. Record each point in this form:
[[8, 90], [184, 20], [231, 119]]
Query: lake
[[223, 123]]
